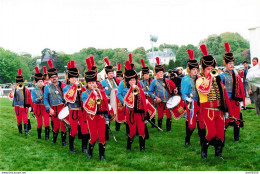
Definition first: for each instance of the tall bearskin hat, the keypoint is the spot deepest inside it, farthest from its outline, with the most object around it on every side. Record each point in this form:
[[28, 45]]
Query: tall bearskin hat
[[19, 78], [38, 76], [207, 60], [52, 71], [108, 68], [119, 73], [93, 63], [228, 57], [44, 72], [158, 67], [72, 70], [129, 73], [145, 69], [192, 63], [90, 75]]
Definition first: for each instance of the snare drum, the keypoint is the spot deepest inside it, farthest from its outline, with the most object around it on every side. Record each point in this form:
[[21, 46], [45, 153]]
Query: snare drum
[[64, 116], [175, 104]]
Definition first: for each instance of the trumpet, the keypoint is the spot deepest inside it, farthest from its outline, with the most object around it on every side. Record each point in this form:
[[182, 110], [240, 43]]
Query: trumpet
[[20, 85], [214, 72], [98, 100], [79, 86], [136, 90]]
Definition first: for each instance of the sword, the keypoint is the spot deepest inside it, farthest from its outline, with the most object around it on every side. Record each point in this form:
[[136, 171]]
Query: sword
[[245, 108], [155, 125], [235, 119], [112, 133]]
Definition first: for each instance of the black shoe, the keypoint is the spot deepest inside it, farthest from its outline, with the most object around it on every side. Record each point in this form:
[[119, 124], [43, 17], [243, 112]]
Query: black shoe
[[20, 129], [63, 138], [117, 126], [168, 124], [84, 143], [236, 132], [129, 144], [188, 135], [55, 135], [90, 150], [101, 151], [39, 133], [71, 141], [218, 149], [159, 124], [26, 129], [142, 144], [204, 149], [47, 133], [146, 132]]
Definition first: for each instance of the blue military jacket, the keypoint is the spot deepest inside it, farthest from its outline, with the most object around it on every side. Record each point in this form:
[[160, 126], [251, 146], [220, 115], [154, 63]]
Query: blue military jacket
[[121, 92], [157, 89], [53, 96], [77, 104], [108, 85], [227, 80], [188, 86], [36, 94]]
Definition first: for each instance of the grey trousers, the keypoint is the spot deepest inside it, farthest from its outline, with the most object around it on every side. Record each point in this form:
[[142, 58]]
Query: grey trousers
[[256, 95]]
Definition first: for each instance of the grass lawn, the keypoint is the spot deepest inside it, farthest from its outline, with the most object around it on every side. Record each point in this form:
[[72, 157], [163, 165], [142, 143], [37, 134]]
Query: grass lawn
[[165, 151]]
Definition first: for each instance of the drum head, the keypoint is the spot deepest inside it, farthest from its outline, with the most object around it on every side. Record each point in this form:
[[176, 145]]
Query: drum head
[[173, 102], [113, 99], [64, 113]]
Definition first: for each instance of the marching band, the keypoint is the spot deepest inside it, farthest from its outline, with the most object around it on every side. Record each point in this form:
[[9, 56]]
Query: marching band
[[211, 101]]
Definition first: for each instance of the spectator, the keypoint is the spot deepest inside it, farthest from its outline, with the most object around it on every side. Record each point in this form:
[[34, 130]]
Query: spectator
[[245, 84], [241, 73]]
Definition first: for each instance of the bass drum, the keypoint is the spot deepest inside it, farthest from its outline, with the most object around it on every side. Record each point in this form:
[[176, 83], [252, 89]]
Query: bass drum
[[175, 104], [64, 116]]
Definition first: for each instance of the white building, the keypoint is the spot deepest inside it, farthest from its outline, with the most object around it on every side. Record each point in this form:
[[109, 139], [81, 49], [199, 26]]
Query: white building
[[254, 42], [165, 56]]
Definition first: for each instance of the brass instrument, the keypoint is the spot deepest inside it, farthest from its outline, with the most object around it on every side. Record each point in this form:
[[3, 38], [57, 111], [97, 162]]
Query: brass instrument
[[214, 72], [136, 90], [98, 100], [20, 85], [79, 86]]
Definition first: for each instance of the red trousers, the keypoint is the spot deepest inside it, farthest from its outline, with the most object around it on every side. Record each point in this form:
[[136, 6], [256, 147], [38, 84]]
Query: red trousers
[[135, 120], [40, 111], [56, 121], [96, 125], [161, 107], [21, 114], [215, 123], [196, 117], [235, 105], [75, 117]]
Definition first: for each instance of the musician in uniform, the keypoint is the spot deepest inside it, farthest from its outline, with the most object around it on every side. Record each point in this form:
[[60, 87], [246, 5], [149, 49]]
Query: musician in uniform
[[190, 96], [213, 100], [235, 90], [21, 101], [54, 102], [96, 106], [161, 89], [131, 95], [38, 104], [72, 95]]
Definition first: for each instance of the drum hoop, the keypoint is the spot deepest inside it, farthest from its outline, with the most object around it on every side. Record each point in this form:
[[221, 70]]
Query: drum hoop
[[60, 116], [179, 97]]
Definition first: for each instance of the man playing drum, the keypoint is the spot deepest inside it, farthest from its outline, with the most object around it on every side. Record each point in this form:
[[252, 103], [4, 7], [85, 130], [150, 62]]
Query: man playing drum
[[72, 95], [190, 96], [213, 101], [54, 102], [38, 105], [161, 89]]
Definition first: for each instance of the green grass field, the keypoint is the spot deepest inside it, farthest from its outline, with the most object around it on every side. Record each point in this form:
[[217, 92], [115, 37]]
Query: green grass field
[[165, 151]]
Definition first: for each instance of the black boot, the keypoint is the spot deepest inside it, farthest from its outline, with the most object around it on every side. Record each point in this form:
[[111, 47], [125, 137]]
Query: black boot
[[169, 124], [26, 129], [160, 123], [39, 133], [201, 133], [188, 135], [55, 135], [84, 143], [142, 143], [90, 150], [236, 132], [107, 132], [63, 138], [71, 141], [117, 126], [47, 132], [218, 149], [127, 129], [146, 132], [129, 143], [153, 120], [20, 129], [101, 151], [29, 125], [79, 132], [52, 125], [204, 149]]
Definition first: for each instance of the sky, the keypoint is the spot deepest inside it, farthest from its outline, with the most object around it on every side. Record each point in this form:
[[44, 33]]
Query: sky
[[71, 25]]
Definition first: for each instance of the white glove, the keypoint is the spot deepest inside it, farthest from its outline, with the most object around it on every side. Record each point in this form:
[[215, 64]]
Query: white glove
[[189, 100], [226, 115]]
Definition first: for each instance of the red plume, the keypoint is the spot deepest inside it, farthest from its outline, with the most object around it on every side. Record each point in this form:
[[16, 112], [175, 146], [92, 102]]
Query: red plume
[[191, 54], [118, 66], [203, 49], [19, 72], [68, 65], [72, 64], [88, 62], [142, 62], [127, 65], [107, 61], [130, 58], [36, 69], [227, 47], [158, 60], [92, 60], [44, 69], [50, 64]]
